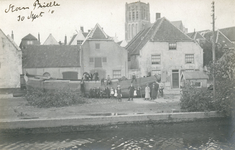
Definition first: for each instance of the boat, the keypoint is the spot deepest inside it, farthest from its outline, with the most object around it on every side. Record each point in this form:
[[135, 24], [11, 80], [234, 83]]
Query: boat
[[60, 84]]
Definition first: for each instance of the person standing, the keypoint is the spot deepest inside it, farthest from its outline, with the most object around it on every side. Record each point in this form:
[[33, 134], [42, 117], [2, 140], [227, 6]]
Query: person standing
[[153, 92], [112, 92], [133, 78], [107, 92], [147, 92], [108, 80], [119, 93], [131, 92], [157, 88], [82, 86], [139, 93]]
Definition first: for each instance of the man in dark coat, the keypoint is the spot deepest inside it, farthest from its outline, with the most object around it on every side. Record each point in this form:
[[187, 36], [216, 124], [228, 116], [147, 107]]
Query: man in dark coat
[[131, 92], [153, 92], [157, 88], [107, 92]]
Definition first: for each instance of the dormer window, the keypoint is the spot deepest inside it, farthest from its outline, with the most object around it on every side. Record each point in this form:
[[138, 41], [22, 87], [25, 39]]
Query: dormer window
[[97, 45], [172, 46]]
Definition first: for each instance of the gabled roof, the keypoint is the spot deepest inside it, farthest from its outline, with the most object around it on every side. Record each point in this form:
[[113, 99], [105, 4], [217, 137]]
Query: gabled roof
[[85, 34], [73, 37], [97, 33], [177, 24], [195, 75], [11, 40], [29, 37], [195, 35], [161, 31], [220, 39], [229, 33], [51, 56], [50, 41], [80, 36]]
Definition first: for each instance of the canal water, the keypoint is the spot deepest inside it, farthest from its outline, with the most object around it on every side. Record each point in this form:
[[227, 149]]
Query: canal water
[[210, 134]]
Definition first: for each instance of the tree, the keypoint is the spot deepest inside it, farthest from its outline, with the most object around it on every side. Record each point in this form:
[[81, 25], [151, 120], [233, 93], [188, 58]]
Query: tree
[[224, 70]]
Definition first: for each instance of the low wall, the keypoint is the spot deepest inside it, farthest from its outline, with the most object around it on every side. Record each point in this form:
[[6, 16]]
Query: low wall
[[88, 121]]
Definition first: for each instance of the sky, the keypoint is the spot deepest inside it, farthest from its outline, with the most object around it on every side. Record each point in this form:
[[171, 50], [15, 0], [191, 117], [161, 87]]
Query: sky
[[66, 18]]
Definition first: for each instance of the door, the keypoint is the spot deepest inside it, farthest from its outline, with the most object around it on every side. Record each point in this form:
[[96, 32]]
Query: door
[[175, 78]]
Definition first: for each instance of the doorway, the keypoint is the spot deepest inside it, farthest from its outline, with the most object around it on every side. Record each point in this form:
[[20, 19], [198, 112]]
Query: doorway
[[175, 78]]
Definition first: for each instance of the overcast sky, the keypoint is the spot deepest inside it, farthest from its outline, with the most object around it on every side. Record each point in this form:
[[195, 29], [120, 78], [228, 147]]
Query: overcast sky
[[110, 14]]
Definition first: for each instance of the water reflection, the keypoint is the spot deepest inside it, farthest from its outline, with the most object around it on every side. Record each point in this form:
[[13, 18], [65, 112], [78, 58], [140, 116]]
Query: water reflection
[[213, 134]]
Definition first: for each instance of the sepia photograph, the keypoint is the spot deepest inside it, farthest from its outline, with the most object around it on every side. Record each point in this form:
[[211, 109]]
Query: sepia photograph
[[117, 75]]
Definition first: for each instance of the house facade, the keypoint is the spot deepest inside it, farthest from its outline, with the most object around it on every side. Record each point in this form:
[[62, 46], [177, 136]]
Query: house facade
[[29, 40], [165, 51], [10, 62], [101, 54], [55, 61]]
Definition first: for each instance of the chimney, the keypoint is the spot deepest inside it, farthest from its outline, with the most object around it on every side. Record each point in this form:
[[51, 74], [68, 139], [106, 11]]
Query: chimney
[[158, 15], [12, 35], [82, 29], [65, 40], [39, 37]]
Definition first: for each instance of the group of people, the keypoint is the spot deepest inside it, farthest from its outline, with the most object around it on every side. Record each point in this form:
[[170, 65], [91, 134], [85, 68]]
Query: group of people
[[151, 91], [106, 93]]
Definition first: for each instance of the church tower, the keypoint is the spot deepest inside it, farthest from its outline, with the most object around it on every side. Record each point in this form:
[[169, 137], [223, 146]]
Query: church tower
[[137, 18]]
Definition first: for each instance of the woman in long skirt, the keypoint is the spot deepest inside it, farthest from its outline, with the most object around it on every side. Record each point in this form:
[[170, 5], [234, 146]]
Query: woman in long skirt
[[147, 92]]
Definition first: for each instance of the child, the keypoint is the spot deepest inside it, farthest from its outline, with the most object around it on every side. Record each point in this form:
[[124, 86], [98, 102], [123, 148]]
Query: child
[[119, 93], [112, 92], [135, 92]]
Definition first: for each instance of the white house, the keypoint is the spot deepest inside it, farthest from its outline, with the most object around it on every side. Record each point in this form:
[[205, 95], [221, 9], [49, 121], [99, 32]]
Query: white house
[[164, 50], [10, 62]]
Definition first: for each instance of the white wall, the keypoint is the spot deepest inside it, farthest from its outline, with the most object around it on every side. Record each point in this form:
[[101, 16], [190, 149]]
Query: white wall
[[10, 64], [170, 59], [116, 57]]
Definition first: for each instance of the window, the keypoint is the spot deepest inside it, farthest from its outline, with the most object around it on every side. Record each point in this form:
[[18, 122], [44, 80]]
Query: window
[[137, 15], [104, 59], [156, 59], [196, 84], [91, 59], [133, 15], [30, 42], [116, 73], [172, 46], [98, 62], [130, 16], [189, 58], [97, 45], [79, 42]]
